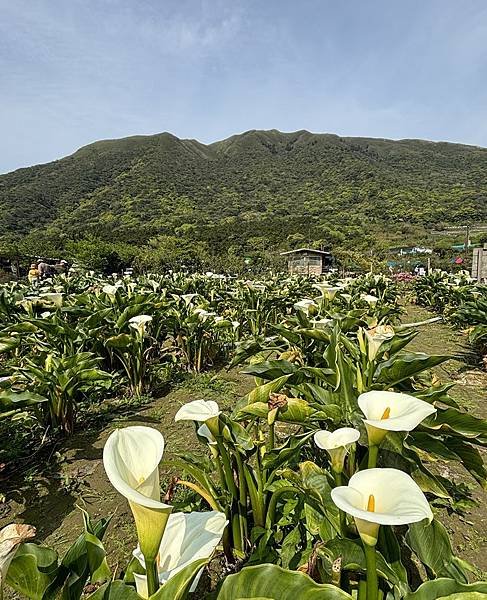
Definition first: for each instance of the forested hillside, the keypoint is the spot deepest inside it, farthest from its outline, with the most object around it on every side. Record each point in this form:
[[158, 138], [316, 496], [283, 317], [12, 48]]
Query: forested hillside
[[164, 200]]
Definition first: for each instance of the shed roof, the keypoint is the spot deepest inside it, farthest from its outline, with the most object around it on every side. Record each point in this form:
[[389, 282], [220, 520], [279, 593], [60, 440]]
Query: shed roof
[[310, 250]]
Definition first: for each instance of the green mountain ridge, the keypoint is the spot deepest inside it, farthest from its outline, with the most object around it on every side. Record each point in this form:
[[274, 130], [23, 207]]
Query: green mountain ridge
[[263, 189]]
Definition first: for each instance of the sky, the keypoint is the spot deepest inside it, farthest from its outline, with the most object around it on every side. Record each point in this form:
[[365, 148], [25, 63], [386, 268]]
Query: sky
[[76, 71]]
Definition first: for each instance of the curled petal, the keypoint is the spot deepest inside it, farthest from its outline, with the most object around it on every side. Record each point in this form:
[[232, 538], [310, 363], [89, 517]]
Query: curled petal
[[397, 498], [198, 410]]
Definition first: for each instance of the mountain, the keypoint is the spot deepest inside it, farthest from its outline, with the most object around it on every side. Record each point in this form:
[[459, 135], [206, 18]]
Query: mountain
[[259, 189]]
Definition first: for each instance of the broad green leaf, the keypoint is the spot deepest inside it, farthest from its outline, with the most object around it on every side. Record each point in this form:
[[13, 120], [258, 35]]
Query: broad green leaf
[[275, 583], [459, 422], [406, 365], [353, 559], [123, 340], [449, 589], [271, 369], [177, 588], [33, 569], [431, 543], [261, 393], [17, 400], [115, 590]]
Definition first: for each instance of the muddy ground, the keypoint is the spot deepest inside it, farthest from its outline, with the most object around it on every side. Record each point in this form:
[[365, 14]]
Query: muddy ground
[[70, 474]]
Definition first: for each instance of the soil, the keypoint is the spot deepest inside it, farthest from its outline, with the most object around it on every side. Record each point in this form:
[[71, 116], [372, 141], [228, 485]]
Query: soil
[[72, 474]]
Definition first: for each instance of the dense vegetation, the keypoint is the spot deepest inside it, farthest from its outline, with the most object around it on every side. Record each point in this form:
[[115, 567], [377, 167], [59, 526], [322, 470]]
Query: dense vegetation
[[321, 482], [463, 304], [162, 201]]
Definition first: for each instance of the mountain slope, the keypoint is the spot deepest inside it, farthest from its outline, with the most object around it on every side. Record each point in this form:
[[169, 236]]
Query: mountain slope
[[263, 184]]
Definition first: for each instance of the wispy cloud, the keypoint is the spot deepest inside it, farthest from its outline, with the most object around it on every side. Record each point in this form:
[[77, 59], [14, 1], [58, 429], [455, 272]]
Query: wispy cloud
[[80, 70]]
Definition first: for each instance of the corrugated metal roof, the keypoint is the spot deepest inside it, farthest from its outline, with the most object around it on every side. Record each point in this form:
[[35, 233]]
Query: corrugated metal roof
[[312, 250]]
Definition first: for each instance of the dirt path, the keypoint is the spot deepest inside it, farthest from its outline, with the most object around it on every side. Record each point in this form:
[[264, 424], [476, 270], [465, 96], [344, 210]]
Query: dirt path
[[47, 495]]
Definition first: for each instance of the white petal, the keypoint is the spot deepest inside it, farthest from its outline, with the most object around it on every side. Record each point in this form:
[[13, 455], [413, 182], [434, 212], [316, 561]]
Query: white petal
[[198, 410], [131, 457], [140, 319], [205, 432], [141, 585], [187, 538], [110, 290], [406, 412], [329, 440], [398, 498]]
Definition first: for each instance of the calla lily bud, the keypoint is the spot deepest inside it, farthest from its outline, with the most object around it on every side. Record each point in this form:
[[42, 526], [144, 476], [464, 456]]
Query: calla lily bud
[[131, 458], [337, 443], [375, 497]]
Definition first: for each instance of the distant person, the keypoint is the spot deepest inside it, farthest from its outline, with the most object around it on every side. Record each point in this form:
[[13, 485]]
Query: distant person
[[33, 274], [61, 267], [44, 269]]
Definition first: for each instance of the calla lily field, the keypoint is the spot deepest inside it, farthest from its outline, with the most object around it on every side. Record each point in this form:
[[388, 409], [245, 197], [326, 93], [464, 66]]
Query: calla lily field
[[324, 480]]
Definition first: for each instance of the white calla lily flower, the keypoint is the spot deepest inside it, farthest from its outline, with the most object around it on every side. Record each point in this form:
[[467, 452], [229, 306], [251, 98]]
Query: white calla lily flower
[[391, 411], [327, 291], [139, 322], [375, 497], [198, 410], [371, 300], [376, 337], [188, 298], [131, 458], [337, 443], [321, 323], [188, 537], [110, 290], [307, 305], [54, 298], [204, 431]]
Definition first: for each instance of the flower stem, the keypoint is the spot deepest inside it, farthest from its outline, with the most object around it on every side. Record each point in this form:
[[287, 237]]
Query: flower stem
[[271, 437], [373, 453], [372, 581], [152, 575], [343, 517]]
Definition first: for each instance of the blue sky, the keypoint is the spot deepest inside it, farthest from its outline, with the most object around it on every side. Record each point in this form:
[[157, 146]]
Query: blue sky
[[75, 71]]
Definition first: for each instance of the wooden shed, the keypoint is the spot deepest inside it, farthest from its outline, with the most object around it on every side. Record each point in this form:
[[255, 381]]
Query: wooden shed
[[479, 264], [308, 261]]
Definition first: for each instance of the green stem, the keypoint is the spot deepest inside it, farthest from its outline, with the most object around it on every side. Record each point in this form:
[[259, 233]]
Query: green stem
[[373, 453], [271, 436], [152, 575], [227, 469], [362, 590], [372, 581], [256, 500], [273, 503], [242, 499], [342, 515]]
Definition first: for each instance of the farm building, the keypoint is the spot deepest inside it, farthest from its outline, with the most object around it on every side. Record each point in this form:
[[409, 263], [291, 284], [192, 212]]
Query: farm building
[[479, 264], [308, 261]]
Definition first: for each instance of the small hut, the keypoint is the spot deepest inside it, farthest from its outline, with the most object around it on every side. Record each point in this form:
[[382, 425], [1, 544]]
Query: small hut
[[307, 261], [479, 264]]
